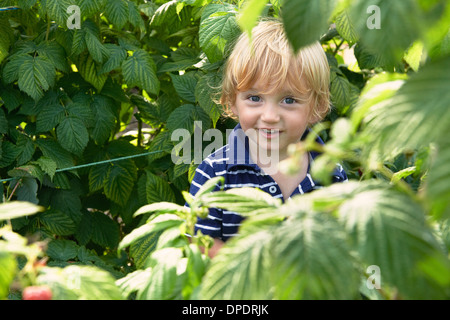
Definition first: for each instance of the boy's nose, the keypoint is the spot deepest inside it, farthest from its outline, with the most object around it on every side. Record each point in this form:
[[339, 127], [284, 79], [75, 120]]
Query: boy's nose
[[270, 113]]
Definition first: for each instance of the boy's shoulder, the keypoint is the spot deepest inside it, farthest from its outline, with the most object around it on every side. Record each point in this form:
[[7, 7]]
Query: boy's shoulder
[[218, 158], [234, 152]]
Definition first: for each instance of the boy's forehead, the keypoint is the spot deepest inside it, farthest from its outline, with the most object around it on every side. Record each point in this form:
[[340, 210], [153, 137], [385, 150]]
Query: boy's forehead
[[271, 86]]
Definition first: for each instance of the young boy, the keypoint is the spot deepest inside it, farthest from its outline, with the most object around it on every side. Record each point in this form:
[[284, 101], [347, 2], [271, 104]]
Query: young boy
[[275, 95]]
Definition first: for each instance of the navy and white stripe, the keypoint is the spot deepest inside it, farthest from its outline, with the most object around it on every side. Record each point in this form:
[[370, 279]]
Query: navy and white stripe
[[234, 163]]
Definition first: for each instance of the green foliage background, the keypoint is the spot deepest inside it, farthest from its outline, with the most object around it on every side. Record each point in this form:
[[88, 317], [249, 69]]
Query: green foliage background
[[70, 96]]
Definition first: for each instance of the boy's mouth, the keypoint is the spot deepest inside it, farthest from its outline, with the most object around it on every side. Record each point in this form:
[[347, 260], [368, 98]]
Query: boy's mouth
[[270, 133]]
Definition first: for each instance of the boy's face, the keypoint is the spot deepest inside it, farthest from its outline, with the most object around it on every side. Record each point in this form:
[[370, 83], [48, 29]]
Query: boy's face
[[272, 120]]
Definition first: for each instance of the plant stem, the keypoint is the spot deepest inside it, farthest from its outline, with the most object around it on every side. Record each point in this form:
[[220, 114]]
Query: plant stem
[[48, 28], [338, 47], [404, 186], [139, 137], [14, 190]]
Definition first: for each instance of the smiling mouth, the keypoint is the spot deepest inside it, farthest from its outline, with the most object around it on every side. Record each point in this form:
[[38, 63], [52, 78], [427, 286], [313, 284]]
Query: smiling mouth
[[270, 130], [270, 133]]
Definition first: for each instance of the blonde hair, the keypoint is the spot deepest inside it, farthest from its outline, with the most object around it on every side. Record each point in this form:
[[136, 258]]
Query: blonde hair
[[268, 58]]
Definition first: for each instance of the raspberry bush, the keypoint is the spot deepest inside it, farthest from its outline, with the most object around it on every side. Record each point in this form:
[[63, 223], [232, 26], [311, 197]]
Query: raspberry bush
[[84, 81]]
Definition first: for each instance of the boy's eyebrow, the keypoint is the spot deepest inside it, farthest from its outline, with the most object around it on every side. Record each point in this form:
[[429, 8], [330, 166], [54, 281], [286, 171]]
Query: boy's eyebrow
[[281, 93]]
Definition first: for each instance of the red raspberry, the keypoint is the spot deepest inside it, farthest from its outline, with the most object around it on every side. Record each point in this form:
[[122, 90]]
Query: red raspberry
[[37, 293]]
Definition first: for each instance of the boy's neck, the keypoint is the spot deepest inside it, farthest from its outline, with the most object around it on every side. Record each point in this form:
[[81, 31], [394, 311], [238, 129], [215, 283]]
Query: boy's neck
[[289, 182], [267, 160]]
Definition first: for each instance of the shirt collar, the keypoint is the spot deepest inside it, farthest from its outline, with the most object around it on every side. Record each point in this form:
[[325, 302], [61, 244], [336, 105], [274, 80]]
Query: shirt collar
[[239, 155]]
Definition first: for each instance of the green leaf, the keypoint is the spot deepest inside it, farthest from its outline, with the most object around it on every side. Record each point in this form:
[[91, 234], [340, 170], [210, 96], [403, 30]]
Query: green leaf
[[436, 183], [305, 265], [116, 55], [160, 223], [243, 200], [57, 222], [5, 42], [166, 13], [93, 43], [141, 249], [305, 21], [78, 41], [247, 275], [140, 70], [396, 177], [3, 122], [185, 85], [162, 284], [184, 117], [57, 10], [98, 176], [134, 281], [104, 119], [217, 28], [250, 13], [62, 250], [8, 154], [134, 16], [54, 151], [84, 230], [26, 147], [105, 231], [195, 270], [80, 282], [54, 52], [27, 171], [400, 24], [81, 111], [49, 117], [8, 268], [12, 98], [412, 118], [89, 37], [12, 67], [210, 185], [183, 58], [385, 223], [116, 11], [47, 165], [17, 209], [67, 201], [414, 55], [345, 27], [158, 189], [163, 206], [90, 71], [367, 59], [377, 90], [121, 178], [206, 93], [72, 135], [89, 8], [36, 75], [162, 142], [27, 190], [340, 92]]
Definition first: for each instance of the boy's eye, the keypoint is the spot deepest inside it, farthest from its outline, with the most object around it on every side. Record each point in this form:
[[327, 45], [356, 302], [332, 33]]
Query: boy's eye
[[254, 98], [289, 100]]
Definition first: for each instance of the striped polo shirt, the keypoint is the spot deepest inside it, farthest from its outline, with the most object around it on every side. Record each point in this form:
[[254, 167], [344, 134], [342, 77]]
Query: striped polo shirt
[[233, 162]]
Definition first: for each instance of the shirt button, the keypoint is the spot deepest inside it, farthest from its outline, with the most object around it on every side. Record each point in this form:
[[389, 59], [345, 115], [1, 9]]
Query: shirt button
[[273, 189]]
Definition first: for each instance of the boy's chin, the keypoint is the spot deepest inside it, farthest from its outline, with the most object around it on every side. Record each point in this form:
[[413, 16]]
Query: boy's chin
[[268, 151]]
